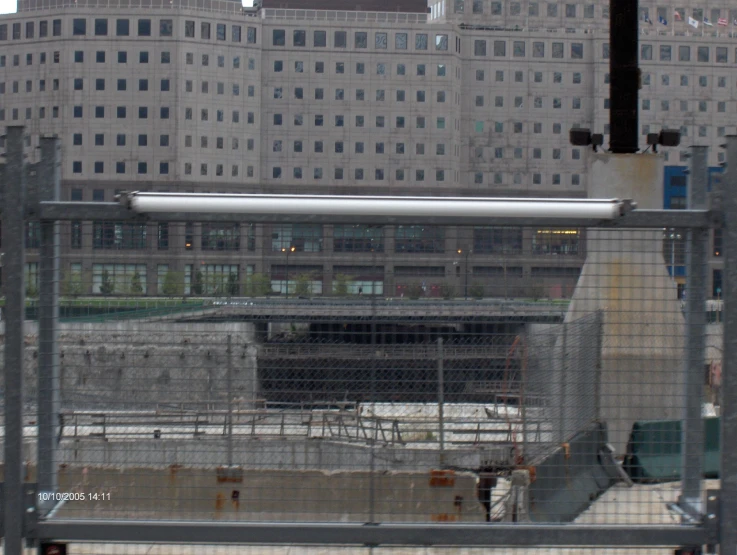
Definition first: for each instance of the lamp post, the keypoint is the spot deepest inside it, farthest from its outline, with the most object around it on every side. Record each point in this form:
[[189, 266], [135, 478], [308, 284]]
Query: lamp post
[[465, 280], [287, 250]]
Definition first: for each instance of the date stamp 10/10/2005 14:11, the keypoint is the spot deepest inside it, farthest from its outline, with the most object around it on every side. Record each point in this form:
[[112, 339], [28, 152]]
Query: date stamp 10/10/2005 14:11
[[74, 496]]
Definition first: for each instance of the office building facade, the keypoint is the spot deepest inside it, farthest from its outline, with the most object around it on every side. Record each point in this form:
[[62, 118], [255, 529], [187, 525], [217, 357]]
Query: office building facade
[[466, 99]]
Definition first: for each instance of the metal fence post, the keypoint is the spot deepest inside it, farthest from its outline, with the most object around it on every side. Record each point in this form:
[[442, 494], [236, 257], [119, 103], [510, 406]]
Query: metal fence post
[[563, 385], [441, 401], [48, 178], [692, 443], [728, 413], [230, 401], [14, 266], [598, 367]]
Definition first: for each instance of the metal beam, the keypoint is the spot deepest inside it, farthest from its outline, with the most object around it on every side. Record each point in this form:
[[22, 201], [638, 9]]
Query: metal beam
[[15, 293], [728, 409], [693, 364], [375, 534], [48, 177], [65, 211]]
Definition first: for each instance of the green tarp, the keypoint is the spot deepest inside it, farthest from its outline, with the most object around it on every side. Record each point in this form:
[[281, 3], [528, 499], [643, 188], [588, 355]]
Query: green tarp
[[654, 450]]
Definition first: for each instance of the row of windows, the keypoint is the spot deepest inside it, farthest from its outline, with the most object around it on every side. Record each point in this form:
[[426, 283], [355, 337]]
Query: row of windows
[[360, 96], [382, 68], [144, 85], [141, 168], [359, 147], [686, 53], [400, 122], [702, 105], [310, 238], [102, 27], [496, 8], [122, 58], [298, 173], [537, 102], [380, 40], [519, 49]]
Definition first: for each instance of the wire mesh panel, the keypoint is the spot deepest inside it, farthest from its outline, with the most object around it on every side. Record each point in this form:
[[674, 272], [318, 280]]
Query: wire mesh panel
[[383, 374]]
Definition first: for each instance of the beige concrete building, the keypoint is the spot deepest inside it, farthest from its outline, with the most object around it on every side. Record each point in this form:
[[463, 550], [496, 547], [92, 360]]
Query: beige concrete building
[[473, 98]]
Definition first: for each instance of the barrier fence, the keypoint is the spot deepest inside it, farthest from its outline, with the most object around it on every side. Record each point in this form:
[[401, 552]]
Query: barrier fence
[[377, 387]]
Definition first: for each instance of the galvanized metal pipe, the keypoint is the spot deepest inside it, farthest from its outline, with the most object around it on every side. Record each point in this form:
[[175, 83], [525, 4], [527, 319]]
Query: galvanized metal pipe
[[14, 268], [692, 443], [728, 409]]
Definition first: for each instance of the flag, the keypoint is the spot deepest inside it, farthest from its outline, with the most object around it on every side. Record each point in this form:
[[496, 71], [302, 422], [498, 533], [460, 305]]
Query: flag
[[693, 23], [678, 16], [648, 20], [707, 22], [722, 21], [662, 20]]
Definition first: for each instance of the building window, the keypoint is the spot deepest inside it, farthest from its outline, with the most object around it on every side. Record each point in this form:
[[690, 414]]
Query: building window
[[358, 238], [100, 27], [76, 235], [109, 279], [419, 239], [217, 236], [122, 27], [497, 240], [303, 237], [33, 235], [79, 27], [556, 241], [716, 281], [166, 27], [118, 235]]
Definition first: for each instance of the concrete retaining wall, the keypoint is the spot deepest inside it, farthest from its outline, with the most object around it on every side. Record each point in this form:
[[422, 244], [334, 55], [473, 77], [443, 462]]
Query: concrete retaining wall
[[199, 494], [129, 364]]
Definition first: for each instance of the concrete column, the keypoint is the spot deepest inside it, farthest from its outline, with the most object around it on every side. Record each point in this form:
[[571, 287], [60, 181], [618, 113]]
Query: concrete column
[[625, 276]]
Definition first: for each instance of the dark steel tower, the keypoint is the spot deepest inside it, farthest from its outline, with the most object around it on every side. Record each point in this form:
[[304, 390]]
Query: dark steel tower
[[624, 76]]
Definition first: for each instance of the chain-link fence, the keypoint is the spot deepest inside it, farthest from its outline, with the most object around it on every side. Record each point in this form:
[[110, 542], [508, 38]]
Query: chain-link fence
[[276, 376], [337, 404]]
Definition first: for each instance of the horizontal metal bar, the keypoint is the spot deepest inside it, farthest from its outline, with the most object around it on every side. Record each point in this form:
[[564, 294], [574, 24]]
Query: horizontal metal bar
[[692, 219], [65, 211], [358, 534], [635, 219]]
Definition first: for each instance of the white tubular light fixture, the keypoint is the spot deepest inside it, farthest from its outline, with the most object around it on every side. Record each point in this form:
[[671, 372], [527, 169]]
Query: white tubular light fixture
[[311, 205]]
